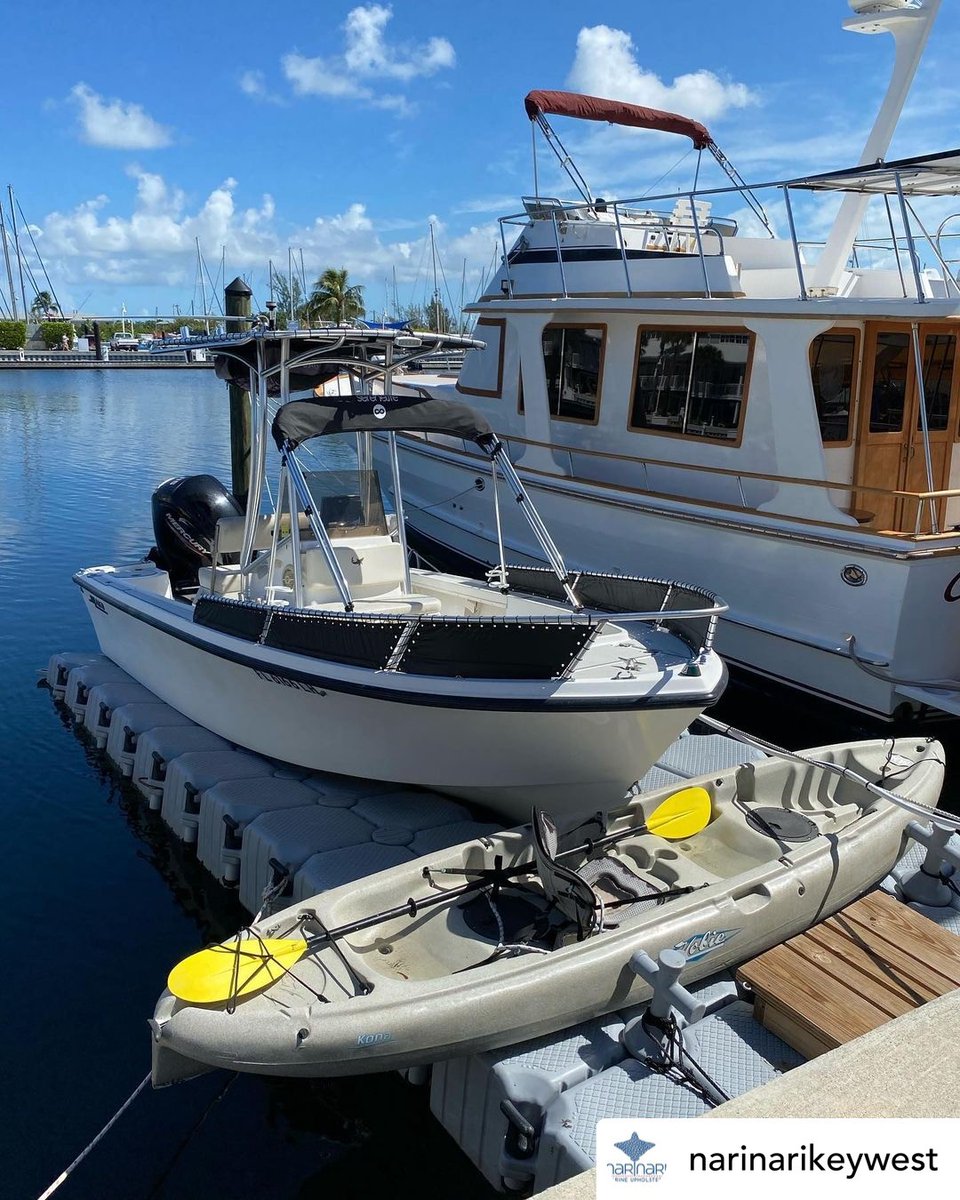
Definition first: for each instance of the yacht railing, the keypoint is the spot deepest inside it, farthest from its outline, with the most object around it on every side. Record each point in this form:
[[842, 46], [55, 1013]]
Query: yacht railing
[[638, 225], [925, 526]]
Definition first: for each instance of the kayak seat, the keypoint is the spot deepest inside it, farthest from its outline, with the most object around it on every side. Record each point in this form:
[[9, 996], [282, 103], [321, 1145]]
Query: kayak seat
[[586, 895]]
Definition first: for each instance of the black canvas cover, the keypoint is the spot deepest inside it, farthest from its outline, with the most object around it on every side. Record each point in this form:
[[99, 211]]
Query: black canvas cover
[[337, 637], [230, 616], [302, 419], [623, 593], [495, 648]]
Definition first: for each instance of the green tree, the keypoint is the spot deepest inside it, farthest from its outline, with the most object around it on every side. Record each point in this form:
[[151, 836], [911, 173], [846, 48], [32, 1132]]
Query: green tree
[[291, 303], [43, 304], [333, 299]]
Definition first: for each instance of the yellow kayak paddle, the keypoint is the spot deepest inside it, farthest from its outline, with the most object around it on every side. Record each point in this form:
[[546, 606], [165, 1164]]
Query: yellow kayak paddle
[[240, 967], [247, 965]]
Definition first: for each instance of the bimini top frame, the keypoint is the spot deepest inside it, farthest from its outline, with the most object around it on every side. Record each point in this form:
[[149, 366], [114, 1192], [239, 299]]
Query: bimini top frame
[[270, 362]]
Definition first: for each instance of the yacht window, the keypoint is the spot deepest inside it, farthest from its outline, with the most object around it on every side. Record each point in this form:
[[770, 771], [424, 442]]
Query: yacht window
[[890, 366], [348, 502], [482, 371], [832, 356], [938, 356], [690, 382], [573, 357]]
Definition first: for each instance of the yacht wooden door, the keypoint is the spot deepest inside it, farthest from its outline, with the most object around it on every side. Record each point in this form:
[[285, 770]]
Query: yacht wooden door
[[890, 448]]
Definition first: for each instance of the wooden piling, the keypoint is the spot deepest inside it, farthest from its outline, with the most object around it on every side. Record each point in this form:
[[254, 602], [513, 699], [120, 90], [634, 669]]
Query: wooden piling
[[238, 305]]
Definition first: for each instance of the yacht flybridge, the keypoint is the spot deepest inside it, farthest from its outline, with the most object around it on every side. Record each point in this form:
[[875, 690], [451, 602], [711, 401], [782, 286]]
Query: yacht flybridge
[[305, 634], [691, 395]]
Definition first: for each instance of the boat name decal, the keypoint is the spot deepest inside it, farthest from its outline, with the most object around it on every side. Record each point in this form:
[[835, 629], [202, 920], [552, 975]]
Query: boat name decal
[[700, 944], [950, 592], [96, 602], [283, 681], [374, 1039]]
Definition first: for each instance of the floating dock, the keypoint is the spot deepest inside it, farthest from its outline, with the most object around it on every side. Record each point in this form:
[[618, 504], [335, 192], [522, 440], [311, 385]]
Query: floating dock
[[525, 1115], [67, 360]]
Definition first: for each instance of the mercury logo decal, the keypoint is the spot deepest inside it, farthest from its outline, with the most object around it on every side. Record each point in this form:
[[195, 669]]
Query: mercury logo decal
[[699, 945]]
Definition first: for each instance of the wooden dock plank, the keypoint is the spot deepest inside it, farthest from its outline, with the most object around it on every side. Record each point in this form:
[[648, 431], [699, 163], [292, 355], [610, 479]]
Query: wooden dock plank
[[874, 960]]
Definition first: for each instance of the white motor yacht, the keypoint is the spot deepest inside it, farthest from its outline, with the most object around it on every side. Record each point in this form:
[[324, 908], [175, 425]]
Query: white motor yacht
[[710, 398]]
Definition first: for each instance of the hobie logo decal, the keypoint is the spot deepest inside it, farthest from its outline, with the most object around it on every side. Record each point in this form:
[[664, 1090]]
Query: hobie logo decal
[[698, 945]]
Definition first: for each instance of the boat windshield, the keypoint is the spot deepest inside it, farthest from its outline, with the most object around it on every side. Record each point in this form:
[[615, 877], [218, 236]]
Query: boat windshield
[[348, 502]]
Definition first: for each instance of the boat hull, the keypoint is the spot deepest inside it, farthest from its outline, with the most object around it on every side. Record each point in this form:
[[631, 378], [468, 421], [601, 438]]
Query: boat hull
[[426, 1004], [505, 754]]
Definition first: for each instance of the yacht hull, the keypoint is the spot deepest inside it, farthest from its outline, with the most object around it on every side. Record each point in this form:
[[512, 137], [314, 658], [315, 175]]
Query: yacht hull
[[505, 752], [791, 607]]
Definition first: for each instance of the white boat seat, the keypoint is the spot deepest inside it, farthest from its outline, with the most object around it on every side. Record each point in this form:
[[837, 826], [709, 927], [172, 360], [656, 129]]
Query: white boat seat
[[228, 535], [372, 568], [397, 603], [221, 580], [582, 895]]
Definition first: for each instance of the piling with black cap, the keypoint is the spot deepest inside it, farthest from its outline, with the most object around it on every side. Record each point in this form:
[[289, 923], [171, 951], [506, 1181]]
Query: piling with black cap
[[238, 308]]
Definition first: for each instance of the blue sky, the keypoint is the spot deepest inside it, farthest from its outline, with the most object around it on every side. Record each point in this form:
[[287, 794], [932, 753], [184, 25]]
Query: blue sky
[[341, 130]]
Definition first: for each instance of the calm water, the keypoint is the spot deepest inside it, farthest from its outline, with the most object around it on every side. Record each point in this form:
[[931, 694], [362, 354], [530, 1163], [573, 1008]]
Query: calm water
[[99, 901]]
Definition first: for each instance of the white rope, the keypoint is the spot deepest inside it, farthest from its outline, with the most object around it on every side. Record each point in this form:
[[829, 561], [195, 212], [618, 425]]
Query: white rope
[[64, 1175]]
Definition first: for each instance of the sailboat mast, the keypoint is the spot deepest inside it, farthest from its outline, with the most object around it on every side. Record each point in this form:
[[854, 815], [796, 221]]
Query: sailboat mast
[[203, 291], [6, 256], [16, 247], [436, 289]]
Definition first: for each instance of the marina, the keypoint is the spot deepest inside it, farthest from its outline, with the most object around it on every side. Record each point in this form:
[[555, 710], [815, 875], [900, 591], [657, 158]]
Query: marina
[[420, 746], [94, 836]]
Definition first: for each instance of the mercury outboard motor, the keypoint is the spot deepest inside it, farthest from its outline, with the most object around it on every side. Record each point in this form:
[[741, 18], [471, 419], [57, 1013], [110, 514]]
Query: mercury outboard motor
[[185, 515]]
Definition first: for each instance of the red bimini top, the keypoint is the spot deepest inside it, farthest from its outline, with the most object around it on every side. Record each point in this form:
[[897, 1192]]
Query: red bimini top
[[617, 112]]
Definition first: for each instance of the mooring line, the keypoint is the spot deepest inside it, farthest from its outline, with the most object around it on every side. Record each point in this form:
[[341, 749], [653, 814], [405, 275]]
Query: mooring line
[[64, 1175]]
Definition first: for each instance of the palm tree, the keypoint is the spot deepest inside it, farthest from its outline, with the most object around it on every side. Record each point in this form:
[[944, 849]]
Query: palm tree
[[43, 304], [333, 299]]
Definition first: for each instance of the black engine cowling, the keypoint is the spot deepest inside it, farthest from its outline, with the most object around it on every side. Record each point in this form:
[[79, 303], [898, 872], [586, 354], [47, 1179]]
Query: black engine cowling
[[185, 515]]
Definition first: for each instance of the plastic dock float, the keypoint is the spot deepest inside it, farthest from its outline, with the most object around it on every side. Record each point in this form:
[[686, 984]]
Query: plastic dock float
[[255, 823]]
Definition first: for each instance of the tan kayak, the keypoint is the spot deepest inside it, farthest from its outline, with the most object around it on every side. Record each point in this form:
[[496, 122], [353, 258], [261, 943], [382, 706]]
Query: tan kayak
[[517, 935]]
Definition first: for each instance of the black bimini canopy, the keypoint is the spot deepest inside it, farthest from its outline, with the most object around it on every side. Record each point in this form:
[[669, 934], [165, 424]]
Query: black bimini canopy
[[302, 419]]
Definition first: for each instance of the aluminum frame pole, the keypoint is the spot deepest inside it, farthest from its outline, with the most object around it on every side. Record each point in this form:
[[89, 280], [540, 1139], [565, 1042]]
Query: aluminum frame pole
[[398, 509], [924, 423], [921, 299], [533, 519], [316, 528]]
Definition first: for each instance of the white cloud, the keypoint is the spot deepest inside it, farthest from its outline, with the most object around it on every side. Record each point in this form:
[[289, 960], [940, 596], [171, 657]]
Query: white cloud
[[154, 247], [606, 65], [367, 59], [254, 85], [115, 124]]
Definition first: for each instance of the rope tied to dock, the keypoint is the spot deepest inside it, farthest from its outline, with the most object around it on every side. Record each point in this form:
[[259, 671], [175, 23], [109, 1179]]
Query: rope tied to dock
[[64, 1175]]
